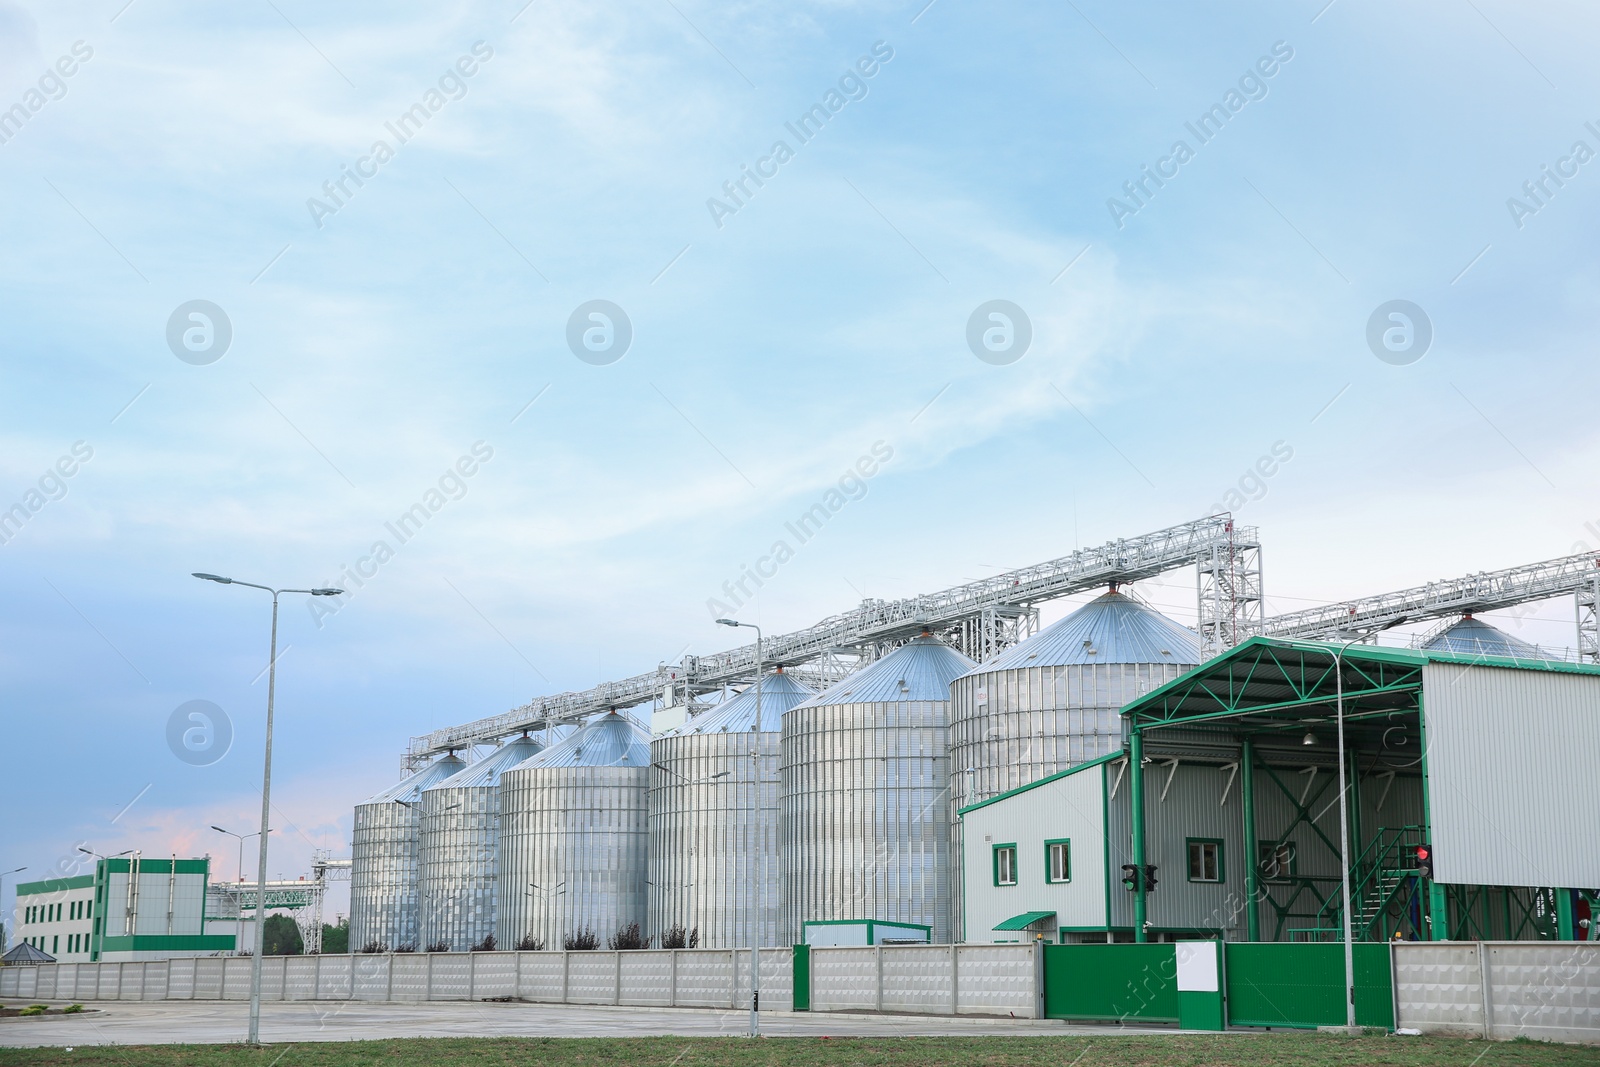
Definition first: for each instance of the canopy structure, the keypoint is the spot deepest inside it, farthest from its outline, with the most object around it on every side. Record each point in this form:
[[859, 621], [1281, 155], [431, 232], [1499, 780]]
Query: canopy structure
[[26, 955], [1494, 739], [1025, 920]]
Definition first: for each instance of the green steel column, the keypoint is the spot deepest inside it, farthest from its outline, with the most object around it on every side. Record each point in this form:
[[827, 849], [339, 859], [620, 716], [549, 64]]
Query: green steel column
[[1136, 803], [1565, 918], [1438, 911], [1357, 841], [1252, 863]]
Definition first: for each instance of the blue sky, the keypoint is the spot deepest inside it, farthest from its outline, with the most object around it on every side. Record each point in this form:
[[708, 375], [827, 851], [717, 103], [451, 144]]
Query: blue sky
[[372, 352]]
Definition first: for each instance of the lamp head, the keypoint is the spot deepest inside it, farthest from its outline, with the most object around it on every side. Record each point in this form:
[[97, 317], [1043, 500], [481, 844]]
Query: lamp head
[[326, 592], [214, 578], [1309, 739], [726, 622]]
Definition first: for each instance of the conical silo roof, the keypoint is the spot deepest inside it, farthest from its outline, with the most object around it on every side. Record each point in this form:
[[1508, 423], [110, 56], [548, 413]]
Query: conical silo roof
[[409, 790], [921, 669], [1112, 628], [487, 771], [737, 714], [1471, 637], [608, 740]]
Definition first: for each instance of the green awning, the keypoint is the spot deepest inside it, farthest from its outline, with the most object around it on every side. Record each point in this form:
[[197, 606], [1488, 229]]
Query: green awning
[[1025, 920]]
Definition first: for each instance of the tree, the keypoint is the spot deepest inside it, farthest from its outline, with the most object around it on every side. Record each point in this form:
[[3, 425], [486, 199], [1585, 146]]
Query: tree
[[281, 937], [336, 939]]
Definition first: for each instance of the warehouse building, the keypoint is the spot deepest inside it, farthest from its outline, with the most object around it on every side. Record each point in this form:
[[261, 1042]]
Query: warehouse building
[[1469, 812], [129, 909]]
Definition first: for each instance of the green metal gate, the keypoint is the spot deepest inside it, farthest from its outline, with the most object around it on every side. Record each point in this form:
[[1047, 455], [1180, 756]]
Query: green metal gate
[[1134, 983], [1302, 985]]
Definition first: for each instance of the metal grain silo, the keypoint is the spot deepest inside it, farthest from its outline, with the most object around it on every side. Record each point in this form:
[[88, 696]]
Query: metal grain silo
[[865, 813], [1471, 637], [714, 820], [573, 836], [383, 861], [461, 847], [1054, 700]]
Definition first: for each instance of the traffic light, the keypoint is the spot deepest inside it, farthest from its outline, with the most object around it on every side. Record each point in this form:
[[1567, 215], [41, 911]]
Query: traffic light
[[1425, 860], [1130, 877], [1149, 877]]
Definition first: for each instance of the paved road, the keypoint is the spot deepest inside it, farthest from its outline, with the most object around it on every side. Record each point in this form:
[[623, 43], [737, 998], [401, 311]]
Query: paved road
[[219, 1022]]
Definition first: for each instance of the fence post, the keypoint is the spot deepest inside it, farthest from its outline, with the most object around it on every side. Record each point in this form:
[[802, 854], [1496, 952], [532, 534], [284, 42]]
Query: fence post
[[955, 980], [388, 976], [1483, 986], [1038, 977], [516, 979], [566, 973], [472, 976], [672, 981], [878, 949], [428, 982], [616, 990]]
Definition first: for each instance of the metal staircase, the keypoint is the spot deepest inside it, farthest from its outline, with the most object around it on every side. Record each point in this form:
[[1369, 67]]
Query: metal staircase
[[1383, 874]]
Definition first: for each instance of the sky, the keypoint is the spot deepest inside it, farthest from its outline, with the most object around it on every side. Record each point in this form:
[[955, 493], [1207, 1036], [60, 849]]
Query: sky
[[277, 275]]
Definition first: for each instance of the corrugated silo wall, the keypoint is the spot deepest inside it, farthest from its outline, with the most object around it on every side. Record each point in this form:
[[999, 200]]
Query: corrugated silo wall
[[574, 842], [865, 814], [383, 876], [460, 846], [707, 860], [1035, 721]]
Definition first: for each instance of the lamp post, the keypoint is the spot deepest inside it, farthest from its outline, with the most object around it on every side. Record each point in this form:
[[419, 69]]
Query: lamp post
[[3, 876], [254, 1037], [755, 819], [1344, 842], [241, 838]]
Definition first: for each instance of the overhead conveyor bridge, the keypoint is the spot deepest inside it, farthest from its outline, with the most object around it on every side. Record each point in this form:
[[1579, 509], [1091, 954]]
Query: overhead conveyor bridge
[[981, 618]]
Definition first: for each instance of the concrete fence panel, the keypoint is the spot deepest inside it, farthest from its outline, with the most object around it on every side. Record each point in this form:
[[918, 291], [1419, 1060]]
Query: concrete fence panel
[[1500, 989], [646, 978], [236, 978], [109, 987], [494, 974], [450, 977], [844, 979], [592, 978], [180, 979], [334, 977], [157, 980], [410, 976], [299, 978], [369, 976], [705, 978], [917, 978], [996, 980], [540, 976]]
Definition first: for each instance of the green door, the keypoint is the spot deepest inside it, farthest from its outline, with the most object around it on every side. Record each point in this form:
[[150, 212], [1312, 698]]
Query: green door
[[1136, 983], [1302, 985]]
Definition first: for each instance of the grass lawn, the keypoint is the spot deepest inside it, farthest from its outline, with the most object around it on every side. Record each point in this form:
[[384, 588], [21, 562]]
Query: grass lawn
[[1263, 1050]]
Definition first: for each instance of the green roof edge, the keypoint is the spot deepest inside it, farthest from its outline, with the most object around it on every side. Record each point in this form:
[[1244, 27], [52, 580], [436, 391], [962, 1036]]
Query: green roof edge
[[1096, 762]]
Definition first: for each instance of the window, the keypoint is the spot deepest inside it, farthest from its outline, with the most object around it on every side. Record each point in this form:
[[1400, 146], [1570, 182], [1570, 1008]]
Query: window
[[1205, 860], [55, 945], [1058, 861], [1005, 864], [1277, 860]]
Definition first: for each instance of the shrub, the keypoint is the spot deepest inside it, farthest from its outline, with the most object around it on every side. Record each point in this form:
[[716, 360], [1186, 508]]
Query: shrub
[[439, 946], [694, 938], [405, 948], [34, 1009], [375, 946], [529, 943], [628, 937], [583, 940], [675, 936], [72, 1009], [486, 945]]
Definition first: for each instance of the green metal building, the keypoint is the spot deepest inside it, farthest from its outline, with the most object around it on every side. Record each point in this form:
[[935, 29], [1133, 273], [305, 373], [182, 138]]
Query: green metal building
[[129, 909], [1227, 788]]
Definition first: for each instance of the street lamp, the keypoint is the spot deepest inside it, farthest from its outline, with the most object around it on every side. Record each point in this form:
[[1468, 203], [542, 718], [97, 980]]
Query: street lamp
[[266, 793], [755, 781], [230, 833], [1344, 842]]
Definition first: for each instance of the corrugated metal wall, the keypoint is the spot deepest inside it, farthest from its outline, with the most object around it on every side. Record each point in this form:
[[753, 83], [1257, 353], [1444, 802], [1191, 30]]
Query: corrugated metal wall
[[1512, 782]]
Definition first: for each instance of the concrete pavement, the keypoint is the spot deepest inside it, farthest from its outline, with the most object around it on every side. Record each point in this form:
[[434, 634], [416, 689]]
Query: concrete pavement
[[221, 1022]]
